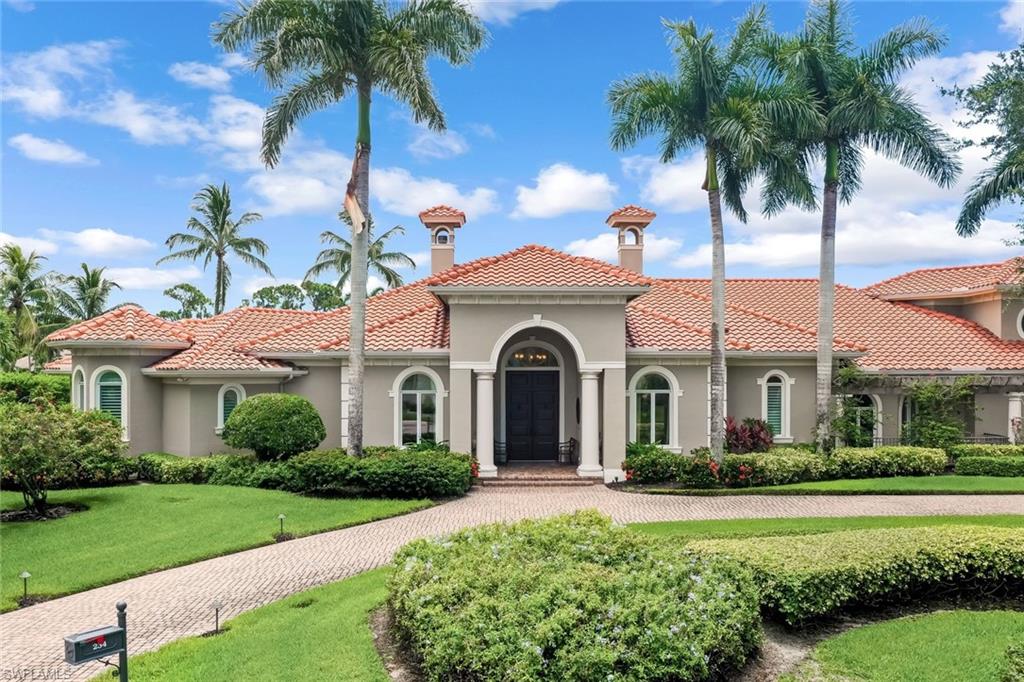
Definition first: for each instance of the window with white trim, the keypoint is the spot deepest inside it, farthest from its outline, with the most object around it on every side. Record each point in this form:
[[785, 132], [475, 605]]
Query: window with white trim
[[78, 390], [228, 398], [653, 401], [864, 420], [418, 409], [775, 403], [110, 395], [907, 410]]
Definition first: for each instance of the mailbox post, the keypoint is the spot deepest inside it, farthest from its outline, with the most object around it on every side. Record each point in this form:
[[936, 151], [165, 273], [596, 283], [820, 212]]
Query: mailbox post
[[93, 645]]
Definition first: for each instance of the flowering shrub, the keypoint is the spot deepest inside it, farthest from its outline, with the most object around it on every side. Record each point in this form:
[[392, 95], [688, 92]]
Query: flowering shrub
[[571, 598], [809, 576], [750, 435]]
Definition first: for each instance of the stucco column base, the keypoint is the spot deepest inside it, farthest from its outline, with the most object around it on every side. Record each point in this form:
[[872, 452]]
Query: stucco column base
[[584, 471], [590, 448], [487, 472]]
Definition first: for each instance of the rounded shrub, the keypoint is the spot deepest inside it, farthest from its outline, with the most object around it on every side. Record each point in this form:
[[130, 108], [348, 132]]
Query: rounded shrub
[[570, 598], [393, 472], [651, 463], [274, 425]]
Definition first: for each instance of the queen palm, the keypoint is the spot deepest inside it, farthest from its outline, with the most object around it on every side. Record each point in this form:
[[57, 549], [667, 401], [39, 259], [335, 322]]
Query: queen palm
[[337, 258], [323, 51], [26, 288], [86, 294], [864, 106], [213, 236], [716, 103]]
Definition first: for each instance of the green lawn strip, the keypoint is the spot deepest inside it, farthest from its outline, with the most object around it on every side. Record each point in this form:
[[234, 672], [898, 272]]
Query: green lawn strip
[[967, 646], [742, 528], [897, 485], [131, 530], [319, 634]]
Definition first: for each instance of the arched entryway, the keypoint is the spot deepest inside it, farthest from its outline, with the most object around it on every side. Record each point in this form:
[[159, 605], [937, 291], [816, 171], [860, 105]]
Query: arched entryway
[[532, 405]]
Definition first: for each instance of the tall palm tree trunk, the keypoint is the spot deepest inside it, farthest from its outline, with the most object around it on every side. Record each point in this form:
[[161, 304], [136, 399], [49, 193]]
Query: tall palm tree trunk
[[219, 294], [826, 305], [717, 311], [357, 300]]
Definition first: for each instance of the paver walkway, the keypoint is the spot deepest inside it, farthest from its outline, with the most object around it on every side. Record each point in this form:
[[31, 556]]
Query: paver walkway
[[176, 603]]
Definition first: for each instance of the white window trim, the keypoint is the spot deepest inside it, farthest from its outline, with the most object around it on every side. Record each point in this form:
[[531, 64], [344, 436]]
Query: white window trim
[[396, 398], [674, 393], [899, 414], [220, 403], [507, 355], [787, 391], [78, 395], [1020, 323], [876, 405], [94, 399]]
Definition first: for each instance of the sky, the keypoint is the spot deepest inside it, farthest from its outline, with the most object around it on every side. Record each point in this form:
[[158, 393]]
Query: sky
[[115, 114]]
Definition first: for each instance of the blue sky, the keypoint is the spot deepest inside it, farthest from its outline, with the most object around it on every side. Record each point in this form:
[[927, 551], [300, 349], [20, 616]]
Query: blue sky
[[115, 114]]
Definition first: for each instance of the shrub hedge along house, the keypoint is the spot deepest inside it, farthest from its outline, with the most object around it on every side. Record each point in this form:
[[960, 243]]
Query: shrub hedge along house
[[536, 354]]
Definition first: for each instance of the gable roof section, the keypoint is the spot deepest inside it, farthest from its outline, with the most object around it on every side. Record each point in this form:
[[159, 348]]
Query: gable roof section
[[538, 267], [127, 325], [959, 280]]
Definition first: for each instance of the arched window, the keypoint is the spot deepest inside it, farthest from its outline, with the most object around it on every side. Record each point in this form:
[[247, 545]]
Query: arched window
[[418, 401], [775, 403], [652, 417], [907, 411], [442, 236], [110, 395], [78, 390], [864, 420], [228, 398]]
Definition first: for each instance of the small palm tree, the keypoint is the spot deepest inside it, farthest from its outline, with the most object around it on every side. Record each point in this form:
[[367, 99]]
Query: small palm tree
[[214, 235], [324, 51], [716, 103], [337, 258], [864, 106], [26, 289], [86, 294]]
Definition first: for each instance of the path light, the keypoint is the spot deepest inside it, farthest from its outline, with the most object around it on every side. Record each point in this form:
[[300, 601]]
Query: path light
[[281, 517], [217, 606], [24, 575]]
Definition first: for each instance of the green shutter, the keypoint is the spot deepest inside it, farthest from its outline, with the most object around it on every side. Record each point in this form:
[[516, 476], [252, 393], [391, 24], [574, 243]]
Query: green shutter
[[775, 408], [230, 402], [110, 394]]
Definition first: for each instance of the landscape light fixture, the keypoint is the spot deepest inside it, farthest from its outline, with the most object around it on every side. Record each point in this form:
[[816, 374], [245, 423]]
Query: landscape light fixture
[[281, 517], [217, 606], [24, 575]]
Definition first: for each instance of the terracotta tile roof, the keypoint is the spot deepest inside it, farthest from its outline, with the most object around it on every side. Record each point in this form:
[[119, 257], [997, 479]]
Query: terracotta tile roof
[[952, 280], [632, 211], [442, 211], [59, 365], [537, 266], [128, 323]]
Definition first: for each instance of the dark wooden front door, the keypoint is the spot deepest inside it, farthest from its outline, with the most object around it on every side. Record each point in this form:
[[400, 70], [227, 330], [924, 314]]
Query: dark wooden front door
[[531, 415]]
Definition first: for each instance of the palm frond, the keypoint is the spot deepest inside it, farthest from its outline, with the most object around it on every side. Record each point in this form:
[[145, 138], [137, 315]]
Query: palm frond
[[1003, 181]]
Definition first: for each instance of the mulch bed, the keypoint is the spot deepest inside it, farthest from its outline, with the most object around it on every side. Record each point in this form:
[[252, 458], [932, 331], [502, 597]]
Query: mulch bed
[[55, 511], [398, 660]]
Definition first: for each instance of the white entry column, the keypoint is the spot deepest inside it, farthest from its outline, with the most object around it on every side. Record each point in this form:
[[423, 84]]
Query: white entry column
[[590, 448], [485, 424], [1016, 413]]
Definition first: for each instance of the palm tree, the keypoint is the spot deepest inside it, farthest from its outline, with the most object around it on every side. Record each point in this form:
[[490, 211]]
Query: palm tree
[[863, 104], [25, 289], [87, 295], [338, 257], [340, 49], [715, 102], [214, 235]]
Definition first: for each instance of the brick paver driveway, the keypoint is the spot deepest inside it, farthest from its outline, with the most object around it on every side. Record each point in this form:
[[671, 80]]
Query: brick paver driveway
[[176, 603]]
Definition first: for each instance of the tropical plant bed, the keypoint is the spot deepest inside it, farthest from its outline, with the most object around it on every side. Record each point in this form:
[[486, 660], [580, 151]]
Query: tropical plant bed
[[897, 485], [134, 529]]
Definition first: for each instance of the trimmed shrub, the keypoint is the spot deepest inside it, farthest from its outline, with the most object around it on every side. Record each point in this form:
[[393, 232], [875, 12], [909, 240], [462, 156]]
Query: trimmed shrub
[[27, 387], [1013, 662], [811, 576], [886, 461], [651, 463], [978, 450], [160, 467], [773, 468], [750, 435], [98, 451], [324, 471], [274, 425], [230, 469], [990, 466], [570, 598], [413, 473]]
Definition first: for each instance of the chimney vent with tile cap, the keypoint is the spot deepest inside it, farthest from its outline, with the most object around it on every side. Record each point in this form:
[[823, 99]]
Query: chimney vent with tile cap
[[630, 221], [442, 221]]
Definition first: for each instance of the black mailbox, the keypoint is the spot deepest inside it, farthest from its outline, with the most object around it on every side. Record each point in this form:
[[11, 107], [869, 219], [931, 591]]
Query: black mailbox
[[88, 646]]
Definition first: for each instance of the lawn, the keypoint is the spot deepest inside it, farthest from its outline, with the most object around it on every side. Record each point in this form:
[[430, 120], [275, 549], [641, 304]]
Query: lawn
[[928, 648], [130, 530], [896, 485]]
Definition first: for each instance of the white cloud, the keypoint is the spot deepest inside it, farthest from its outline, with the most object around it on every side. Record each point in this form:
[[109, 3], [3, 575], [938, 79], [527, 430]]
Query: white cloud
[[504, 11], [605, 247], [420, 258], [196, 181], [1012, 18], [36, 81], [234, 60], [101, 241], [428, 144], [399, 191], [41, 246], [199, 75], [235, 130], [560, 189], [50, 151], [671, 187], [152, 278], [146, 122], [20, 5], [483, 130]]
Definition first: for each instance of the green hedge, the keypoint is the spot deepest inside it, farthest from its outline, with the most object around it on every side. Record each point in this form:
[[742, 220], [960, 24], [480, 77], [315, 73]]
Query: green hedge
[[972, 450], [886, 461], [382, 472], [570, 598], [1013, 662], [805, 577], [27, 387], [990, 466]]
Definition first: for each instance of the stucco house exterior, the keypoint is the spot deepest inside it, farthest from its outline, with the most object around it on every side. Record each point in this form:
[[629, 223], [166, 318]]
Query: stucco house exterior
[[535, 354]]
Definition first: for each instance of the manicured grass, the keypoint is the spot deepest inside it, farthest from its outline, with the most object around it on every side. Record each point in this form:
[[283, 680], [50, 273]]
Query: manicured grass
[[131, 530], [319, 634], [741, 528], [966, 646], [897, 485]]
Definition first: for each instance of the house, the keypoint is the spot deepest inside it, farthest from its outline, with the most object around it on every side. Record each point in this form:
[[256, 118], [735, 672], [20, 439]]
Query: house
[[512, 355]]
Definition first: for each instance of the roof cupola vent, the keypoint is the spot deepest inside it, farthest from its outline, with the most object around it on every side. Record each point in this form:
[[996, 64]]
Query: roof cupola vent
[[630, 221], [442, 221]]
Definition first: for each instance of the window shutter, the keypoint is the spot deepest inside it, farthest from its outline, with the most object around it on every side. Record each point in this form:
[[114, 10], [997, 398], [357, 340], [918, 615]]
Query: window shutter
[[775, 408], [230, 402], [110, 400]]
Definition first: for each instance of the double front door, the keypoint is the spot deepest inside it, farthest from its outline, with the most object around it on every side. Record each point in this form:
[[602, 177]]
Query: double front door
[[531, 415]]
